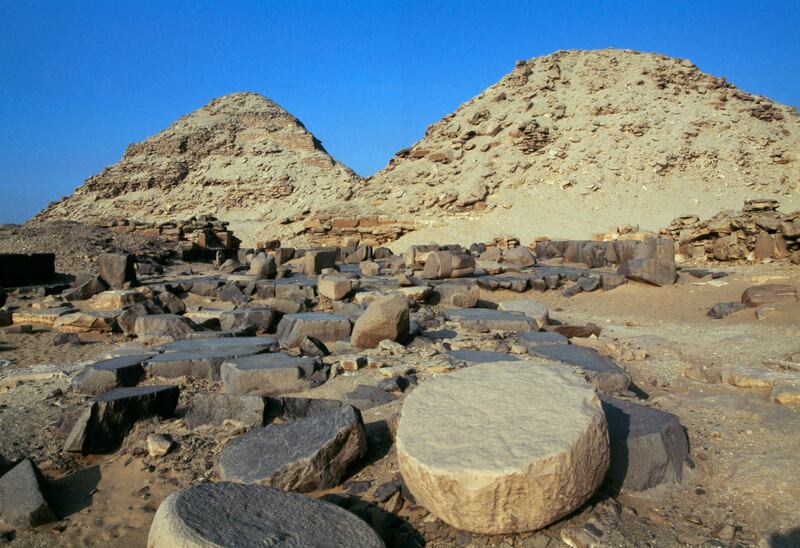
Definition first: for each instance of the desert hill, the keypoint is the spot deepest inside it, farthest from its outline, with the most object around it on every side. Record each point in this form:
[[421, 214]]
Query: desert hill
[[577, 142], [240, 157]]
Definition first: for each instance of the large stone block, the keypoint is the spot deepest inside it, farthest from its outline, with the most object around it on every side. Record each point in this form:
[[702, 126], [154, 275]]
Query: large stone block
[[651, 261], [268, 374], [162, 328], [484, 319], [201, 362], [456, 295], [117, 269], [317, 261], [293, 328], [385, 318], [111, 415], [503, 447], [533, 309], [22, 502], [757, 295], [648, 446], [303, 455], [106, 375], [228, 514]]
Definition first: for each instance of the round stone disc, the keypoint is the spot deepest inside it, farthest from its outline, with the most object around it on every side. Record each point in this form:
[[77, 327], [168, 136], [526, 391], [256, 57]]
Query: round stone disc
[[230, 514], [503, 447]]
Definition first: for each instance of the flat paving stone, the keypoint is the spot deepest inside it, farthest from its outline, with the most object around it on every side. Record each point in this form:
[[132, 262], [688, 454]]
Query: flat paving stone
[[302, 455], [200, 345], [480, 356], [532, 339], [533, 309], [293, 328], [600, 370], [483, 319], [106, 375], [268, 374], [254, 516], [203, 363]]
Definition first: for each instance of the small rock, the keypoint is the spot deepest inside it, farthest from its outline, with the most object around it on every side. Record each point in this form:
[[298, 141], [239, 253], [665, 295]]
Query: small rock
[[159, 445]]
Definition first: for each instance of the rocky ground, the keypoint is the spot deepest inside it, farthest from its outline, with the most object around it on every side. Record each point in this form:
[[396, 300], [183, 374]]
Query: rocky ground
[[733, 384]]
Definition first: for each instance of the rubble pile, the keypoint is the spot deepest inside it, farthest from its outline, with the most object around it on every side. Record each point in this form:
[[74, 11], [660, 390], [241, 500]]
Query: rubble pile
[[758, 232]]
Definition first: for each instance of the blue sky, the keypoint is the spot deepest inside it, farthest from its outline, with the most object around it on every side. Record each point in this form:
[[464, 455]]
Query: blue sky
[[79, 81]]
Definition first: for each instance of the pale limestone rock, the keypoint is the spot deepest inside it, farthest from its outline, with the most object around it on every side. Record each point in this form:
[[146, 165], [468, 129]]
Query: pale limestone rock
[[530, 446]]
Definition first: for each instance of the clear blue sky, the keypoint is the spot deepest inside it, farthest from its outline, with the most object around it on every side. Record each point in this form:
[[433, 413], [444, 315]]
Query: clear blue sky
[[81, 80]]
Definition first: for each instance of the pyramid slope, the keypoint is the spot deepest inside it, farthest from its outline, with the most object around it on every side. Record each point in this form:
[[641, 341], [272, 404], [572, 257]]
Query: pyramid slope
[[579, 141], [240, 157]]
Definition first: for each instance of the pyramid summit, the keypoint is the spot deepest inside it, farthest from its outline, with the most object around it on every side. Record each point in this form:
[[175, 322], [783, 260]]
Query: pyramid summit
[[241, 157]]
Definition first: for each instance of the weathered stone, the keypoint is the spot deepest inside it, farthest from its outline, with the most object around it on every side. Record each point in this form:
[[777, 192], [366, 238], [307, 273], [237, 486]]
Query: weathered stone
[[251, 321], [111, 415], [651, 260], [86, 290], [22, 503], [303, 455], [106, 375], [201, 362], [159, 445], [769, 293], [481, 356], [116, 299], [231, 293], [162, 328], [267, 374], [385, 318], [519, 256], [314, 348], [483, 319], [369, 268], [721, 310], [263, 266], [126, 320], [648, 446], [533, 309], [588, 283], [72, 338], [293, 328], [171, 303], [448, 264], [229, 514], [506, 467], [576, 331], [334, 287], [456, 295], [601, 371], [612, 281], [215, 409], [316, 261], [532, 339], [117, 269], [83, 322]]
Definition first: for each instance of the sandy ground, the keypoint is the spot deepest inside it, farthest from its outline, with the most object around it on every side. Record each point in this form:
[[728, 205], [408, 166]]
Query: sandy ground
[[743, 446]]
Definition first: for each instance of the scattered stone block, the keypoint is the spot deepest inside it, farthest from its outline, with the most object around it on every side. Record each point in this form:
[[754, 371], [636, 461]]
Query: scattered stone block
[[263, 266], [482, 320], [159, 445], [303, 455], [455, 295], [506, 468], [293, 328], [385, 318], [202, 363], [651, 261], [22, 501], [84, 322], [316, 261], [246, 320], [366, 397], [600, 370], [532, 309], [648, 446], [111, 415], [532, 339], [768, 293], [722, 310], [201, 515], [106, 375], [162, 328], [116, 299], [117, 269], [267, 374], [335, 288], [86, 290], [313, 348]]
